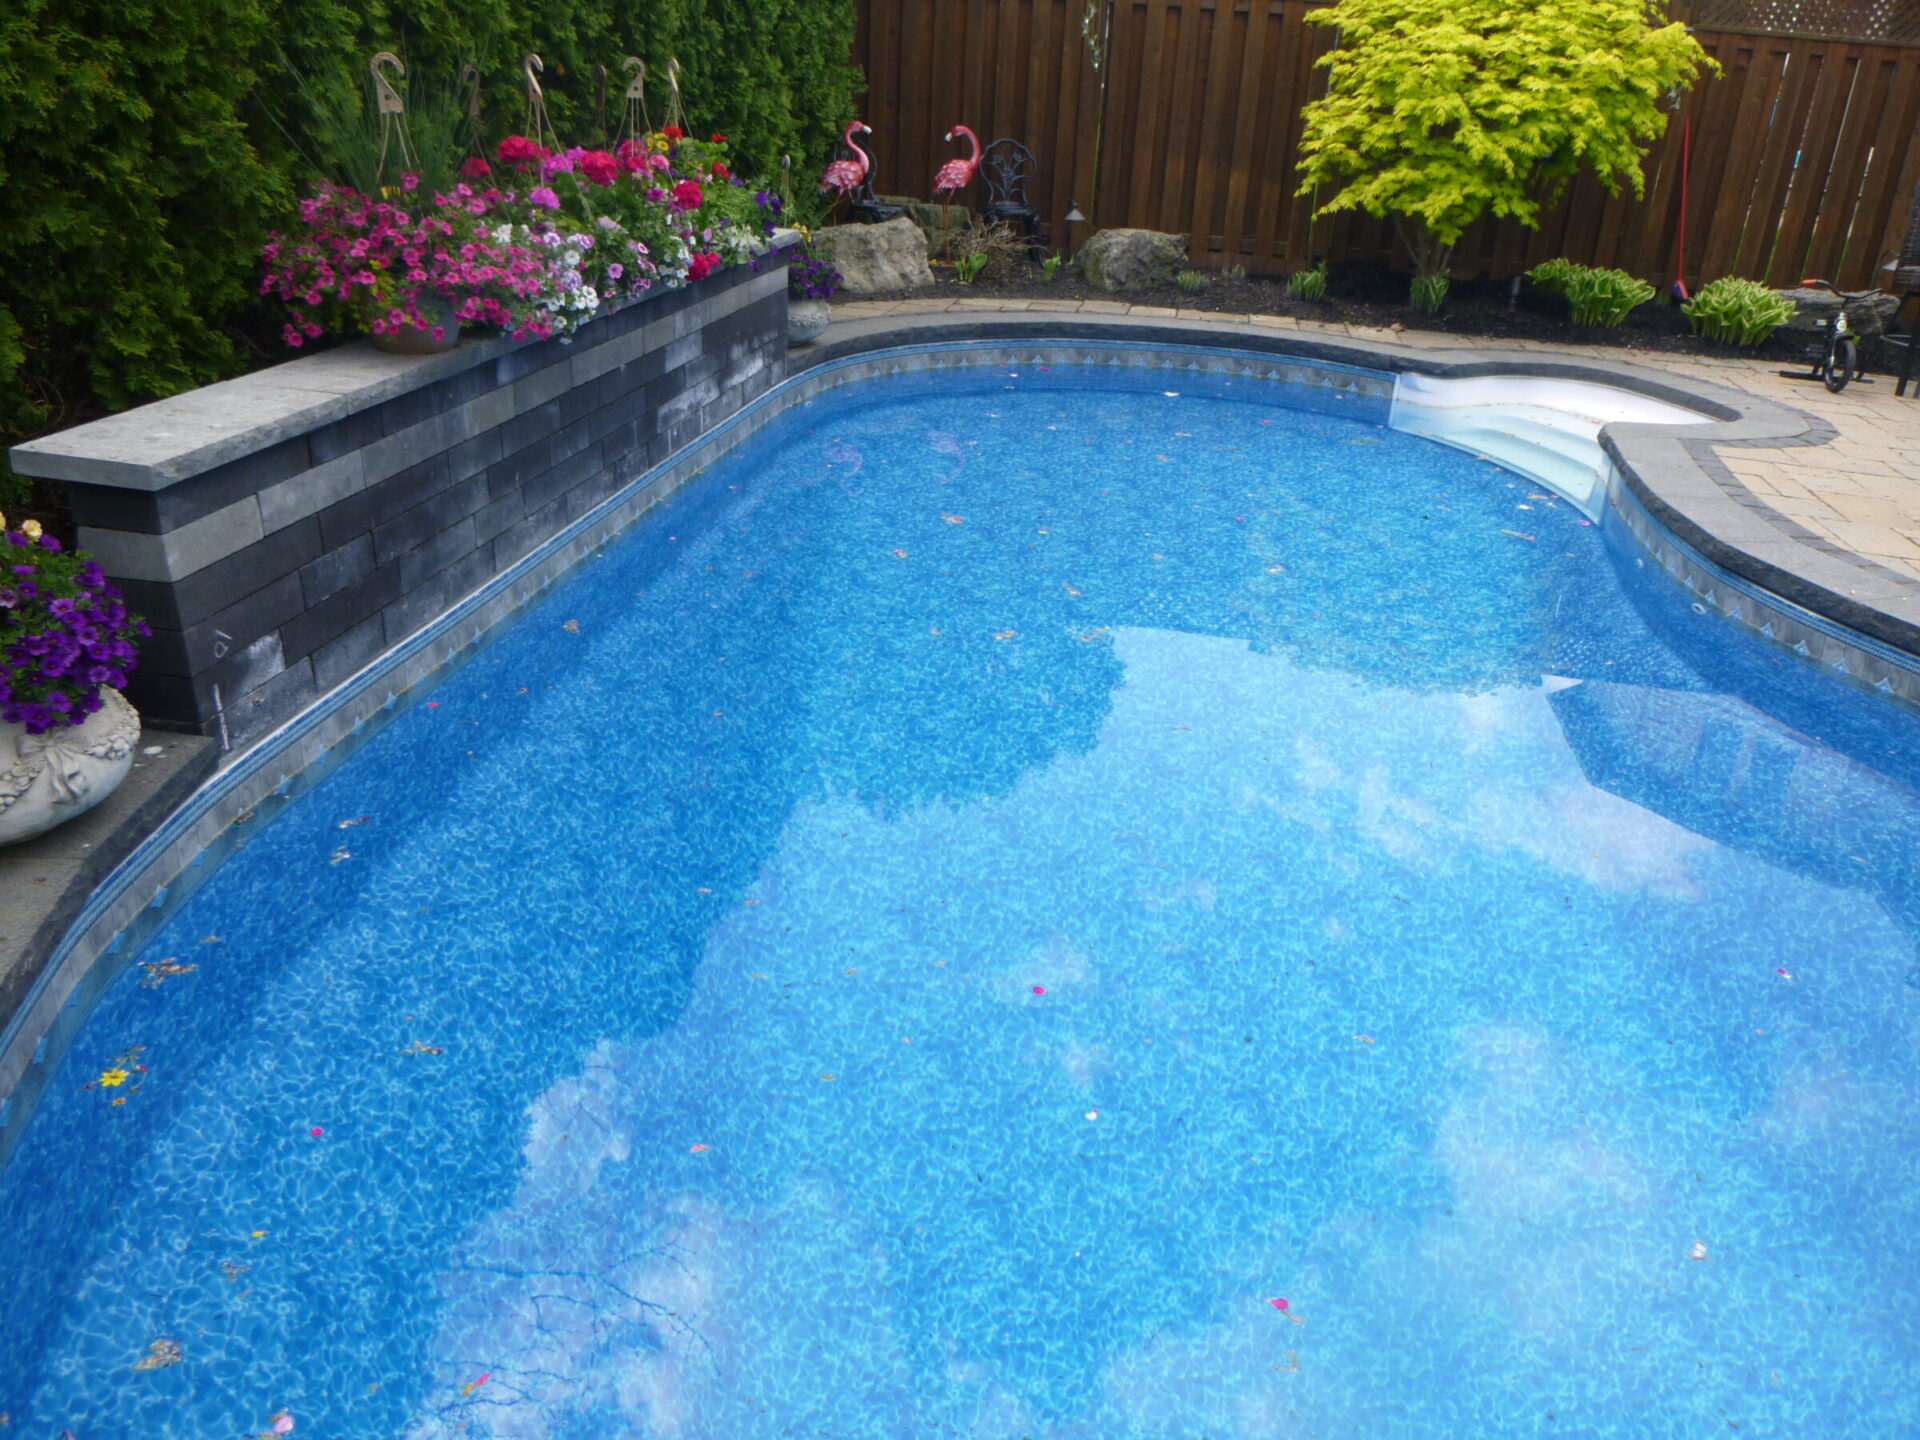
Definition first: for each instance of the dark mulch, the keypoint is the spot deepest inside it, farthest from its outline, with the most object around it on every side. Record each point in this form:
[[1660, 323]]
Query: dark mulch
[[1377, 296]]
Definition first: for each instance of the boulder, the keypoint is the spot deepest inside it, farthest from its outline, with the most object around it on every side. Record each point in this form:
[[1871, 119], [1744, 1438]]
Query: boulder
[[875, 259], [1813, 310], [1132, 259]]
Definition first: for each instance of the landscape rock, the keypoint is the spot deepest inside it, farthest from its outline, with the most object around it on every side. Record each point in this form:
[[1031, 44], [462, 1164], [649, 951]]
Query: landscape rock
[[875, 259], [1132, 259], [1814, 309]]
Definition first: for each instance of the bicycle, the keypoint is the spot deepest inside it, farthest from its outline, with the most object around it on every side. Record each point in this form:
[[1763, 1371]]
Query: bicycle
[[1836, 361]]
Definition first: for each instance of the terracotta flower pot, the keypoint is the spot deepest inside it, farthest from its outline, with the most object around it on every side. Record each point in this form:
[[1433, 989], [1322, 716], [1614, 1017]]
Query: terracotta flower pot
[[47, 779]]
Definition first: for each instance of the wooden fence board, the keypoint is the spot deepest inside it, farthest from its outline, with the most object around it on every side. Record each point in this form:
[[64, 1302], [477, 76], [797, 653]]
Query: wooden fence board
[[1803, 156]]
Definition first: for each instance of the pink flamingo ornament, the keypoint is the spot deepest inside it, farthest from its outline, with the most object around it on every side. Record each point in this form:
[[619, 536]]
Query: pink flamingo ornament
[[958, 174], [955, 175], [845, 175]]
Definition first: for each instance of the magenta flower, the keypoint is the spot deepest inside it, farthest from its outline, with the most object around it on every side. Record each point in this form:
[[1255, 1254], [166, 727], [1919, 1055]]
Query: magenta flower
[[544, 197]]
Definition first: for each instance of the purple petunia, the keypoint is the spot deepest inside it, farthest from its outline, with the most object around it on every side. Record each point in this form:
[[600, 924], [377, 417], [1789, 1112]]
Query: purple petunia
[[64, 635]]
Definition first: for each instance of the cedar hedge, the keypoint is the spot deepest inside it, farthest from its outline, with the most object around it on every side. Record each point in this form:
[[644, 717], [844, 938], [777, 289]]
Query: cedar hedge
[[147, 146]]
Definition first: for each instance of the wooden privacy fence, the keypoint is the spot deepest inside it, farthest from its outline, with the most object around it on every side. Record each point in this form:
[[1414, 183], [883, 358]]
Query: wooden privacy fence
[[1184, 115]]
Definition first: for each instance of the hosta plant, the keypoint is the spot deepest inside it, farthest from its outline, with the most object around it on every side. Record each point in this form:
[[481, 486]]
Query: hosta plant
[[1738, 312], [1597, 297], [1308, 284], [1554, 275]]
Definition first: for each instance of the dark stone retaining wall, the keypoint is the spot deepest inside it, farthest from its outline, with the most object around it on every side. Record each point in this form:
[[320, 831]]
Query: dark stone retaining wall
[[274, 575]]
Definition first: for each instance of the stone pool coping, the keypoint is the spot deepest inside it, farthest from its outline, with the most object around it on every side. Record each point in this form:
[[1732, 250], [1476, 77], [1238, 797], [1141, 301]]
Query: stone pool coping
[[1666, 471]]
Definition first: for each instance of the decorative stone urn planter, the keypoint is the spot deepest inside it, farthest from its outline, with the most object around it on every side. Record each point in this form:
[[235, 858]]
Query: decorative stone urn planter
[[806, 319], [440, 313], [50, 778]]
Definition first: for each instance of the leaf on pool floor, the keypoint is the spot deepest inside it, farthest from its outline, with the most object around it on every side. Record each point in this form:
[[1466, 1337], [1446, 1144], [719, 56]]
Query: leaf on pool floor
[[233, 1270], [572, 627], [828, 1075], [339, 855], [901, 554], [160, 1354], [1068, 588], [473, 1385], [1005, 634], [1697, 1250], [1517, 534], [420, 1047], [159, 971], [954, 519], [1364, 1039], [212, 939], [357, 820], [699, 1149]]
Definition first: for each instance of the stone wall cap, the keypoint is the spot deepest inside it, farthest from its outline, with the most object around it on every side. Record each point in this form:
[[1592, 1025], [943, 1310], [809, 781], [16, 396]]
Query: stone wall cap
[[159, 444]]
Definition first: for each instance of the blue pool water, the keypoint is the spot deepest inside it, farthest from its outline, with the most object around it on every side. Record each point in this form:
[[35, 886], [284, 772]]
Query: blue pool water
[[939, 929]]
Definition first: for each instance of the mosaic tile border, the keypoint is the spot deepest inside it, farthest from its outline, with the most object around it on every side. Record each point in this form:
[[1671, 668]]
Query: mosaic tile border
[[1857, 659], [188, 848], [1370, 391]]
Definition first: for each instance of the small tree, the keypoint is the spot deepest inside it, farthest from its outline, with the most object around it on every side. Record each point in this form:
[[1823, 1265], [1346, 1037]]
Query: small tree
[[1438, 111]]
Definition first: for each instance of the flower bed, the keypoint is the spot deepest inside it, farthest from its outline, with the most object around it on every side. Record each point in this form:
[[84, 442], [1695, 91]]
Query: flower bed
[[529, 243]]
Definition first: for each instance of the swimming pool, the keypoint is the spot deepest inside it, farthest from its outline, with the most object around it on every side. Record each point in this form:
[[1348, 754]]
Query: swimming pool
[[1009, 877]]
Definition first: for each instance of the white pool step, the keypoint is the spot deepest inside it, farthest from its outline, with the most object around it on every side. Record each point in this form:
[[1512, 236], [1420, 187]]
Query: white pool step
[[1547, 430]]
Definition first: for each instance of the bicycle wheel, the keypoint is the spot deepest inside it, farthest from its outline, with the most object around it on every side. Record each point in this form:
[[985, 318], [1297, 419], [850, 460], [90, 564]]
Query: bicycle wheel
[[1842, 363]]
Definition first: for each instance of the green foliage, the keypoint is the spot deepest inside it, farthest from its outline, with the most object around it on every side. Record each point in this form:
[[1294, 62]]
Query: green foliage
[[1739, 312], [1308, 284], [146, 148], [1439, 114], [1192, 281], [1604, 297], [1234, 272], [1428, 292], [348, 140], [967, 268], [1050, 267], [1554, 275], [1598, 297]]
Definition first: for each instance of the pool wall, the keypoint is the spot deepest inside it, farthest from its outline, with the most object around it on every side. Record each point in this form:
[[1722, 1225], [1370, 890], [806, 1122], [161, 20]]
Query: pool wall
[[282, 530], [1659, 484]]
